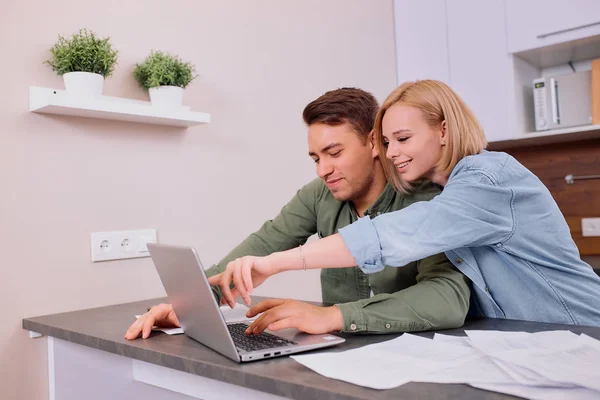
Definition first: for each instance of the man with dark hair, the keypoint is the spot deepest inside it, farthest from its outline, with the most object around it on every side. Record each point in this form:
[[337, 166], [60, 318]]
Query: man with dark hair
[[427, 294]]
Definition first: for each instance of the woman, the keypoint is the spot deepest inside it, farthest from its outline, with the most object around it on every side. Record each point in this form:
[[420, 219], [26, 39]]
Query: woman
[[494, 219]]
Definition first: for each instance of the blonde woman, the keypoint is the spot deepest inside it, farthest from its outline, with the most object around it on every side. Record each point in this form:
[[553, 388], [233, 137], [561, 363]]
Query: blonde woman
[[495, 221]]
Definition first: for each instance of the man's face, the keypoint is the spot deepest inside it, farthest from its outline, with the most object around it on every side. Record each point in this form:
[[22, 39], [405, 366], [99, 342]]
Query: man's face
[[343, 161]]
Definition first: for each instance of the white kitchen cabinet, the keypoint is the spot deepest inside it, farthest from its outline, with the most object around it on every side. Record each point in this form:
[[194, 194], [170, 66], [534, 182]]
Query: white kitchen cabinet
[[480, 67], [421, 50], [534, 24], [490, 52]]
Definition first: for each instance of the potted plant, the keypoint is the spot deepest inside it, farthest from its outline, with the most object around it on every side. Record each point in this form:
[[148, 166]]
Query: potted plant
[[165, 76], [83, 61]]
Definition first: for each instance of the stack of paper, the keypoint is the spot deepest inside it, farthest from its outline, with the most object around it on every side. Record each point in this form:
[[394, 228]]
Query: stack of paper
[[543, 365]]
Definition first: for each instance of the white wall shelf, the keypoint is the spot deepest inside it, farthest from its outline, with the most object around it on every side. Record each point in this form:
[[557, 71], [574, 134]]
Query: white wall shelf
[[563, 135], [54, 101]]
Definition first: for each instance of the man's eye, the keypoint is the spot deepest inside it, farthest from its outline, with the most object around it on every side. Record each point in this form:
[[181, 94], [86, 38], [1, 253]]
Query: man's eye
[[316, 160], [336, 154]]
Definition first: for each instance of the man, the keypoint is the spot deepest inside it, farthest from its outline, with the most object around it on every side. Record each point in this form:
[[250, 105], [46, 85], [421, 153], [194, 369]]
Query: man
[[427, 294]]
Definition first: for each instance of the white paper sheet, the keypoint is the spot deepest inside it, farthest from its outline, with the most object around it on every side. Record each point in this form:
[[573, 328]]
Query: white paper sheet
[[237, 314], [542, 392], [482, 370], [506, 362], [493, 370], [487, 374], [560, 356], [388, 364]]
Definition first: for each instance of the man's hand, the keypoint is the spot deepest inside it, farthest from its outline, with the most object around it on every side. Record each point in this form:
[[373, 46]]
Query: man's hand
[[161, 315], [281, 313], [245, 273]]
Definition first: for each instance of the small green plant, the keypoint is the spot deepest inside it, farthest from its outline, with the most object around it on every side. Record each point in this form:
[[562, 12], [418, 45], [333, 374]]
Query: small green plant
[[163, 69], [84, 52]]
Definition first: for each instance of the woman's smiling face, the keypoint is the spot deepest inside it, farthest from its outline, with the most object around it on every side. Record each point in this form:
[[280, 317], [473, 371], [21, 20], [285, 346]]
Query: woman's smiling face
[[412, 144]]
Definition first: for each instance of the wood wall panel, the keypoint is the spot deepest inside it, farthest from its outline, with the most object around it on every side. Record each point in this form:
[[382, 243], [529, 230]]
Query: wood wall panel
[[551, 163]]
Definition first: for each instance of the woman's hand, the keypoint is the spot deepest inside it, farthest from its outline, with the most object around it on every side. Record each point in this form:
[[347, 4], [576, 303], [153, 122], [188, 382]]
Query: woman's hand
[[245, 273]]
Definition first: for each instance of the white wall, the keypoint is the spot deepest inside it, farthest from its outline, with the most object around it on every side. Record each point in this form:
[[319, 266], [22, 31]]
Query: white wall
[[259, 62]]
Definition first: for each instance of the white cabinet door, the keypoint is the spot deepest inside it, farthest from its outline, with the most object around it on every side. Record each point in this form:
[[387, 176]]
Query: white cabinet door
[[538, 23], [421, 51], [480, 66]]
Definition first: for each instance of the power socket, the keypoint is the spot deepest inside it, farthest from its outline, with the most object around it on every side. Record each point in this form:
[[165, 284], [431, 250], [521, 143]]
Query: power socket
[[121, 245], [590, 226]]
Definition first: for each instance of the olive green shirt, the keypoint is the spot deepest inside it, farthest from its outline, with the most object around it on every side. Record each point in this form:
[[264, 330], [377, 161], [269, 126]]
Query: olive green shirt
[[426, 294]]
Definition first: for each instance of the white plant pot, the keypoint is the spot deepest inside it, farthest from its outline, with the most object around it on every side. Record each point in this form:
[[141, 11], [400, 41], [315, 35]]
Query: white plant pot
[[83, 84], [166, 96]]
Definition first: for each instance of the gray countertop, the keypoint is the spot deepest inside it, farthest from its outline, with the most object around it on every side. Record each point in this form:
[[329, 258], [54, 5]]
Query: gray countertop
[[103, 328]]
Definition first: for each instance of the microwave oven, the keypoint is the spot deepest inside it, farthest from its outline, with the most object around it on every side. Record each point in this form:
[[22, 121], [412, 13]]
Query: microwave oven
[[563, 101]]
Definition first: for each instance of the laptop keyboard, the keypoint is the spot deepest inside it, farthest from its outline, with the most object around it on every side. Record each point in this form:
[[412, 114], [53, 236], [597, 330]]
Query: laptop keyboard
[[255, 342]]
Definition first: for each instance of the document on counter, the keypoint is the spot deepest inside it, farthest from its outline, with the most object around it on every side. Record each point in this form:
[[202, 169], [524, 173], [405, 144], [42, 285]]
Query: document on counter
[[497, 376], [388, 364], [541, 392], [231, 315], [488, 369], [545, 365], [560, 356], [484, 370]]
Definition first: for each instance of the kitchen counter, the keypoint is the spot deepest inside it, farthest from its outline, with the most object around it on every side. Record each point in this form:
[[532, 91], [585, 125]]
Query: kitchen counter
[[89, 357]]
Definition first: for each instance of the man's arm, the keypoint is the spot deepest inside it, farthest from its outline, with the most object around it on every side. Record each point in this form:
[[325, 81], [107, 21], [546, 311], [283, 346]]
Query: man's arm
[[296, 222], [439, 300]]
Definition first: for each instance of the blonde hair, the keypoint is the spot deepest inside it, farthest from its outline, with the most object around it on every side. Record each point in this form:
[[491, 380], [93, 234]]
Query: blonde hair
[[438, 103]]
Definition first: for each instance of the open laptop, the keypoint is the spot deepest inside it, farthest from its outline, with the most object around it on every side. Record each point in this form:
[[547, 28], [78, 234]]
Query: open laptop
[[189, 292]]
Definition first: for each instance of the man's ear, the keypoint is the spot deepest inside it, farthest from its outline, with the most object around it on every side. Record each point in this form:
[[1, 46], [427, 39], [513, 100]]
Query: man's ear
[[374, 147]]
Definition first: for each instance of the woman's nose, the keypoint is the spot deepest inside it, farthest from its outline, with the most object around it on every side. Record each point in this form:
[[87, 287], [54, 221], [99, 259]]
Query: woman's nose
[[391, 152]]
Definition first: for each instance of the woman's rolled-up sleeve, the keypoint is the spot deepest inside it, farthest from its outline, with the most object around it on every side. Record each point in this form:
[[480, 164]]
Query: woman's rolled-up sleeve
[[471, 211]]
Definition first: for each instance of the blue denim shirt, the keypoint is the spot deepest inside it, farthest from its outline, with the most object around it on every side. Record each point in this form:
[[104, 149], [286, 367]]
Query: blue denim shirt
[[499, 225]]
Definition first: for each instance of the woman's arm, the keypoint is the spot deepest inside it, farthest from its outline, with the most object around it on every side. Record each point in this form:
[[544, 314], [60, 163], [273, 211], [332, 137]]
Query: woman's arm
[[472, 211], [246, 273], [329, 252]]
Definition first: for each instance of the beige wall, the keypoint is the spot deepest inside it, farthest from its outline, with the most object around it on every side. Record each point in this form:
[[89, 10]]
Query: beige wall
[[259, 62]]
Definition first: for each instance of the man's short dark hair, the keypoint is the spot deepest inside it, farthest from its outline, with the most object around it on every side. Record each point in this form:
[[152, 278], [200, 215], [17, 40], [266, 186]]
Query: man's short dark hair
[[353, 106]]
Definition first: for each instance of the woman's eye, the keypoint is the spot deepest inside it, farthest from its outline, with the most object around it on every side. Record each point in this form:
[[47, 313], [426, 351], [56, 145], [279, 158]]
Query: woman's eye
[[402, 139], [386, 144]]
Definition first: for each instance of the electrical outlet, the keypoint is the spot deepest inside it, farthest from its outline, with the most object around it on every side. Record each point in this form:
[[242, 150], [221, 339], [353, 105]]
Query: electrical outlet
[[121, 245], [590, 226]]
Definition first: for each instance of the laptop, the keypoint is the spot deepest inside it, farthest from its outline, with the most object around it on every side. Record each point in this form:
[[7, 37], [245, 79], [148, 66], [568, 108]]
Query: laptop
[[189, 292]]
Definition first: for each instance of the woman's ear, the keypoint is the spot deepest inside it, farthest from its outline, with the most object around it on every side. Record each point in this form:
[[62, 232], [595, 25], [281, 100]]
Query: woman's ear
[[444, 131]]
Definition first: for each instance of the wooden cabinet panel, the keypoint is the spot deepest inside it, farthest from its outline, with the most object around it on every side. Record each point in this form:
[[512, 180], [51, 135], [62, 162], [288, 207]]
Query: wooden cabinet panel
[[551, 163]]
